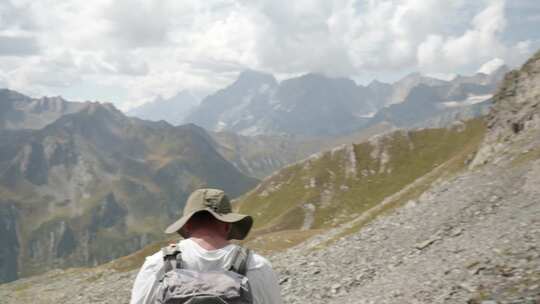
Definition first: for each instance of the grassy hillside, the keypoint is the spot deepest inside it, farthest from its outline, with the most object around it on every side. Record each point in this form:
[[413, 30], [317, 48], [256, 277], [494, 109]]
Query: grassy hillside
[[340, 185], [260, 156]]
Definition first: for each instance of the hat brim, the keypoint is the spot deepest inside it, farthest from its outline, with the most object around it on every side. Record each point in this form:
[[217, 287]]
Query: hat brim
[[241, 223]]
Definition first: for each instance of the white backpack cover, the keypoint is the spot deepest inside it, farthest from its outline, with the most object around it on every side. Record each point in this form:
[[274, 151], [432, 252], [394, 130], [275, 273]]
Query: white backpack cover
[[180, 285]]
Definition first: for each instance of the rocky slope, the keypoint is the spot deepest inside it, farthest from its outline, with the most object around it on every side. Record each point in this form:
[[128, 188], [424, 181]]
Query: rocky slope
[[469, 237], [515, 115], [95, 185]]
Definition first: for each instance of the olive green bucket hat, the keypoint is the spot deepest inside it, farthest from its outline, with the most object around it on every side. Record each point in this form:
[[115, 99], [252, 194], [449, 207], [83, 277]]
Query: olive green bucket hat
[[217, 203]]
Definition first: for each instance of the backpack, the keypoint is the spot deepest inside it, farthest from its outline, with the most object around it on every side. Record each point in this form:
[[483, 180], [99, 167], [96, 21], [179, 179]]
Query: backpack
[[180, 285]]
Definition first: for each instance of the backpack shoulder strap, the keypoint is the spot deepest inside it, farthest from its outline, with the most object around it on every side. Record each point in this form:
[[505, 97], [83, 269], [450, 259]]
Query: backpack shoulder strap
[[172, 257], [240, 260]]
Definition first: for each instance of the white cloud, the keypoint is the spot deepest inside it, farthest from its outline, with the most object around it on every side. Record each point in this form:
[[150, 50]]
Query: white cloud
[[18, 46], [14, 16], [491, 66], [119, 63], [41, 74], [481, 42], [3, 81], [146, 48], [146, 26]]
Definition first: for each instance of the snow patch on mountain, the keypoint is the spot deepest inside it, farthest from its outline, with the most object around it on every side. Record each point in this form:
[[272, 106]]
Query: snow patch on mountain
[[471, 100], [251, 131], [367, 115]]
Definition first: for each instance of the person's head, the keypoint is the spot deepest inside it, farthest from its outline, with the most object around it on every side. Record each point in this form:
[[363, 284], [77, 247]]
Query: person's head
[[210, 211], [203, 223]]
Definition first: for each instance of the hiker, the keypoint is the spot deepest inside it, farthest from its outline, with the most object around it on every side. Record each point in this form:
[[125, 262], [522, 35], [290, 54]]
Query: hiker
[[205, 254]]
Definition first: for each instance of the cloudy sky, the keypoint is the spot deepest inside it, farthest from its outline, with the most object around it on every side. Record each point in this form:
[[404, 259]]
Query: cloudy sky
[[129, 51]]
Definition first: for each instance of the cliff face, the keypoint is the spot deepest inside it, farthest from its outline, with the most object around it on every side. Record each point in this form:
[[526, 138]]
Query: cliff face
[[517, 102], [514, 122], [9, 251], [81, 240]]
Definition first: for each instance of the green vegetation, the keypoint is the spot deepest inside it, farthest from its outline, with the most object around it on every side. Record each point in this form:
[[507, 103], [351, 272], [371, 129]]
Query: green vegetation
[[339, 192]]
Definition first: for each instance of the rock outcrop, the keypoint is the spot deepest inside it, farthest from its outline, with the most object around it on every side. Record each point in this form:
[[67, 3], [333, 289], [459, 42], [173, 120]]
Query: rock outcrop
[[9, 252], [515, 118]]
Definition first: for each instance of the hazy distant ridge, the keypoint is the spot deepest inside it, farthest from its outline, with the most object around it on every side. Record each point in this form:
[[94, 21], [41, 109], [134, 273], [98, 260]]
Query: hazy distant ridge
[[314, 105]]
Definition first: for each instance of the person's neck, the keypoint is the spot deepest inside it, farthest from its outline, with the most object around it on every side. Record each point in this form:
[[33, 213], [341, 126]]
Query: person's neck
[[209, 242]]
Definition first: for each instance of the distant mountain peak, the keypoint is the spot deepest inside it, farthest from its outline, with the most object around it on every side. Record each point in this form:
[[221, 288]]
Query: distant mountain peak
[[173, 109], [417, 77], [314, 76], [183, 93], [316, 79], [413, 76], [101, 111], [249, 76], [376, 83]]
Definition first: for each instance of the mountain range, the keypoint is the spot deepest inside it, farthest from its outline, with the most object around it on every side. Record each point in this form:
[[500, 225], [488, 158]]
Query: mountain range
[[311, 105], [314, 105], [417, 99], [82, 183], [446, 215], [94, 184], [75, 177]]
